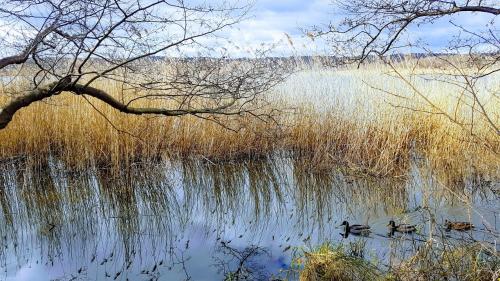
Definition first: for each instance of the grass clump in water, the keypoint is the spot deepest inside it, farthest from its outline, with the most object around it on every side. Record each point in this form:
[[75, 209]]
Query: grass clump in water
[[466, 262], [329, 262], [336, 262]]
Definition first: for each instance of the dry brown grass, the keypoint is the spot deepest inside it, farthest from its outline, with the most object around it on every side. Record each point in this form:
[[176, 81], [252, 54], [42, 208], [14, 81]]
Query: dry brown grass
[[334, 263], [471, 262], [380, 141]]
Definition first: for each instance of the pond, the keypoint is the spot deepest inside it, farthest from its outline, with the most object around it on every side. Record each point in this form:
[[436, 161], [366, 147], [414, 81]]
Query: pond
[[197, 220]]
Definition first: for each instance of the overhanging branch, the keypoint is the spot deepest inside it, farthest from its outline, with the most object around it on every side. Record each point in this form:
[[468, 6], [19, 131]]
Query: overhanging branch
[[8, 112]]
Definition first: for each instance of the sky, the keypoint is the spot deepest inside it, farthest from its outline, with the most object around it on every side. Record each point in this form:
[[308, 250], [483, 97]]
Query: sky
[[280, 25], [273, 22]]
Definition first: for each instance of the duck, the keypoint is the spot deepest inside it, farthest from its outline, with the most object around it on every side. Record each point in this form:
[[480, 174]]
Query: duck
[[458, 225], [356, 229], [403, 228]]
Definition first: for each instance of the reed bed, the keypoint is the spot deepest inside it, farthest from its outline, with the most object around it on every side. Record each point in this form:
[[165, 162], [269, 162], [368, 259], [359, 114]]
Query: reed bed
[[330, 118]]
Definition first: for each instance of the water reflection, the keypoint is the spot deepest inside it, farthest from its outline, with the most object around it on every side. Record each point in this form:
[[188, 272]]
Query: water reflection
[[201, 221]]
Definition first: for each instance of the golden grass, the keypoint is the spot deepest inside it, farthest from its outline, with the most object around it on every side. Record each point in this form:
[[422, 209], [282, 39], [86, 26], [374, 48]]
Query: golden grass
[[470, 262], [328, 262], [336, 119], [334, 263]]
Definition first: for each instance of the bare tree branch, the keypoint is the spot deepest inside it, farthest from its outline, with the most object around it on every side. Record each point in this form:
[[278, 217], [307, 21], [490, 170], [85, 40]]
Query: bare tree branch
[[165, 54], [373, 30]]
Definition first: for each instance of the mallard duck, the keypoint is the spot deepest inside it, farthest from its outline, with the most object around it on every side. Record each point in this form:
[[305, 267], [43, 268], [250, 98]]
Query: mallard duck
[[356, 229], [458, 225], [403, 228]]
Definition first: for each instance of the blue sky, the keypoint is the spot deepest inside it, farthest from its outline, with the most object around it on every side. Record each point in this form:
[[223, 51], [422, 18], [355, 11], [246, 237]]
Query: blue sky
[[270, 20], [280, 25]]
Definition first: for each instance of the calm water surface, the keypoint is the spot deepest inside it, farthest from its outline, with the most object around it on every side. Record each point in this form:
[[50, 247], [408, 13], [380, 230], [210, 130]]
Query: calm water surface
[[202, 221]]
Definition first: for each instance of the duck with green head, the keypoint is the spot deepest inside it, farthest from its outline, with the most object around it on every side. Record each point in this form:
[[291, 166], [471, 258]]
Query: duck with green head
[[356, 229], [403, 228]]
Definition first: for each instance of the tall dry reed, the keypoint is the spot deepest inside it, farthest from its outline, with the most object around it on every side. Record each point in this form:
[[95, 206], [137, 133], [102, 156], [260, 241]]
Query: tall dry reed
[[330, 118]]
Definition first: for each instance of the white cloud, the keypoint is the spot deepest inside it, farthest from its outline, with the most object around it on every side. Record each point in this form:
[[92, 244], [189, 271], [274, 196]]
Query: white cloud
[[273, 23], [30, 272], [271, 20], [280, 24]]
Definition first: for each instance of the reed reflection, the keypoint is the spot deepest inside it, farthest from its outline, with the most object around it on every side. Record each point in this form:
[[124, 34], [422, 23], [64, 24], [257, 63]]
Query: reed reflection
[[159, 212]]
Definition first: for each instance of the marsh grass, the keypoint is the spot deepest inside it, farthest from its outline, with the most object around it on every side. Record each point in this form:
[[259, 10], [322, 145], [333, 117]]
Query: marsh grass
[[329, 118], [464, 262], [472, 261], [329, 262]]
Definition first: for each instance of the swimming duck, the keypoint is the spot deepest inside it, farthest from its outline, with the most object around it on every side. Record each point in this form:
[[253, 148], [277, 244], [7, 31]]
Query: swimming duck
[[458, 225], [356, 229], [403, 228]]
